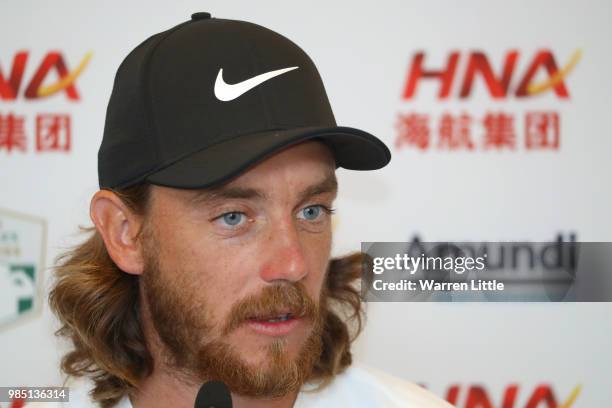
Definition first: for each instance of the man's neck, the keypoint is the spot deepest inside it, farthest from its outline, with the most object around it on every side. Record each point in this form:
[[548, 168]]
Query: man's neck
[[163, 390]]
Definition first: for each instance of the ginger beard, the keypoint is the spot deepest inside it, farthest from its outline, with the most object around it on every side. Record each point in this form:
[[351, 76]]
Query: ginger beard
[[191, 347]]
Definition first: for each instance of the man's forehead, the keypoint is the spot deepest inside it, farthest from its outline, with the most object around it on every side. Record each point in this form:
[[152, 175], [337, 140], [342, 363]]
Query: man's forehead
[[316, 184]]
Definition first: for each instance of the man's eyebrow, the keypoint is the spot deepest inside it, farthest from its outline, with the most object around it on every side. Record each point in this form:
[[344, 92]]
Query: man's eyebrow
[[328, 185]]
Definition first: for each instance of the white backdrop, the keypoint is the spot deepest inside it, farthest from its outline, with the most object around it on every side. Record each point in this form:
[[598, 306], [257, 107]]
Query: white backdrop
[[364, 52]]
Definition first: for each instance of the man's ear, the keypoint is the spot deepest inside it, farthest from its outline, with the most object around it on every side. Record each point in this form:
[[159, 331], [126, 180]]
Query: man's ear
[[118, 226]]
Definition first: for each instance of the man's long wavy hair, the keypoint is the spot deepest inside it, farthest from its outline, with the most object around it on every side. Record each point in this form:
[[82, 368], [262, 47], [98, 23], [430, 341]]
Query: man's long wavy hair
[[98, 307]]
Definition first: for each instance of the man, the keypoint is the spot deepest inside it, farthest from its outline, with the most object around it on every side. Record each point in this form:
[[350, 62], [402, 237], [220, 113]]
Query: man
[[210, 255]]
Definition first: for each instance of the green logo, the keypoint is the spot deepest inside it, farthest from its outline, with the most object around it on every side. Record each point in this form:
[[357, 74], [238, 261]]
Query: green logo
[[22, 244]]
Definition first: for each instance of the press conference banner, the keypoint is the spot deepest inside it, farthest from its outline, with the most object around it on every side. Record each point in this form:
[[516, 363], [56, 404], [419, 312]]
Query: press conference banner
[[497, 115]]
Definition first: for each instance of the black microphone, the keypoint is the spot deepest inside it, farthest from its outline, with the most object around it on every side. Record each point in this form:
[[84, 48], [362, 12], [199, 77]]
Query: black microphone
[[213, 394]]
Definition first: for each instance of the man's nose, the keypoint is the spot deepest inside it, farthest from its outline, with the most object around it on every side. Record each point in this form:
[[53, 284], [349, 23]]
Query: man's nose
[[285, 256]]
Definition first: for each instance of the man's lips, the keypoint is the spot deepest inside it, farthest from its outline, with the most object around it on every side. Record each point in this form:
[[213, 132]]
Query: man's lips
[[275, 315], [277, 324]]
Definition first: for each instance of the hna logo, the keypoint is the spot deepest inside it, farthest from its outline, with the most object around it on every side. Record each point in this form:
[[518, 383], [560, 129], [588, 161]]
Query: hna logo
[[541, 397], [9, 88], [497, 85]]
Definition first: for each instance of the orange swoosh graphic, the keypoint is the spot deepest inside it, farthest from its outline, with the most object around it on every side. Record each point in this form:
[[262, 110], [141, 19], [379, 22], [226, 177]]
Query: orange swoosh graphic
[[558, 77], [67, 80], [572, 397]]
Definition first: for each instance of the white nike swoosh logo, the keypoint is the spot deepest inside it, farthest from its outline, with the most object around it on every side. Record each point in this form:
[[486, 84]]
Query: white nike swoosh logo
[[226, 92]]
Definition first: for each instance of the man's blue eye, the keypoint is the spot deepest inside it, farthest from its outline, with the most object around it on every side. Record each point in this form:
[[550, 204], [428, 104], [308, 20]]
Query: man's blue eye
[[233, 218], [312, 212]]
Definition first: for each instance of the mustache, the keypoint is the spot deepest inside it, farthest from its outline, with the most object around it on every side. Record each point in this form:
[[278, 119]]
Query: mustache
[[272, 301]]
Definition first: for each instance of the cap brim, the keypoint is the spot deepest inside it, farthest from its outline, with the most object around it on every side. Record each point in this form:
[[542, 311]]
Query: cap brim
[[352, 148]]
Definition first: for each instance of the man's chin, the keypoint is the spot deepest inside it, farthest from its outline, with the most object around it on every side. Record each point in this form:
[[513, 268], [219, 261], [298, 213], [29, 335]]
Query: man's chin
[[272, 368], [265, 353], [269, 373]]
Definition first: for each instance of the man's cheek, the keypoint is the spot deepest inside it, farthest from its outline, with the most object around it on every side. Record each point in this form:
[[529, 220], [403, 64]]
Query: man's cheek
[[318, 260]]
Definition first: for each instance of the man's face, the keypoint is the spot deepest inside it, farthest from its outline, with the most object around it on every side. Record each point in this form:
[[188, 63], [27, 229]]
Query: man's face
[[234, 276]]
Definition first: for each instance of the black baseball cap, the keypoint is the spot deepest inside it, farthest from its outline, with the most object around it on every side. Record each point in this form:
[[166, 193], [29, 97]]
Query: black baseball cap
[[196, 105]]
